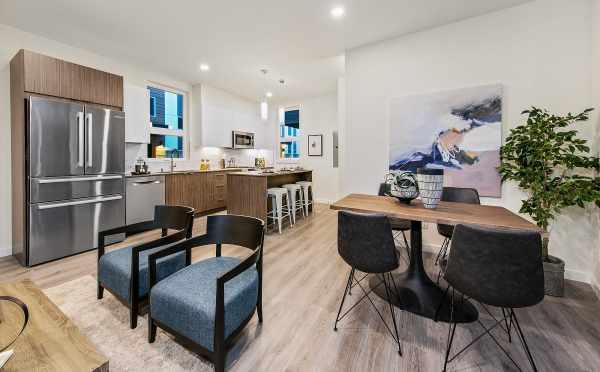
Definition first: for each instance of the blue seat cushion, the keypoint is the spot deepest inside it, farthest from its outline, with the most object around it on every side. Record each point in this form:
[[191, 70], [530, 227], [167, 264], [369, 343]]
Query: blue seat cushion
[[114, 270], [185, 301]]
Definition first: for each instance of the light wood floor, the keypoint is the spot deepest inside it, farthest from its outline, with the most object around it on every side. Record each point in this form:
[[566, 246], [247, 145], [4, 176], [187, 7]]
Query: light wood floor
[[303, 283]]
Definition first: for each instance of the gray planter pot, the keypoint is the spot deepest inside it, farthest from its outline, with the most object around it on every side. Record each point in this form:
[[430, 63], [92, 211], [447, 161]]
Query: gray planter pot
[[554, 276]]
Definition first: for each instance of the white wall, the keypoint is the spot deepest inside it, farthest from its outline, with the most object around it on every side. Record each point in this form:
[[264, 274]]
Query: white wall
[[539, 51], [318, 115], [596, 95], [11, 40]]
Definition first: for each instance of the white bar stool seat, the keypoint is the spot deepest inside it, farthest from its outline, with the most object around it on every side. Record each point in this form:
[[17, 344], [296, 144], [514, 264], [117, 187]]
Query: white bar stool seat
[[278, 211], [296, 199], [306, 190]]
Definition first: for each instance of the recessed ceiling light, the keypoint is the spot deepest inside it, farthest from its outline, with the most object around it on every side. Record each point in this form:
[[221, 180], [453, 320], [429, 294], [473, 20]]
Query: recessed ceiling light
[[204, 67], [338, 12], [269, 94]]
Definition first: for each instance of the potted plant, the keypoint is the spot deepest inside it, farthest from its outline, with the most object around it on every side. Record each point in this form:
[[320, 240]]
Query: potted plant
[[547, 160]]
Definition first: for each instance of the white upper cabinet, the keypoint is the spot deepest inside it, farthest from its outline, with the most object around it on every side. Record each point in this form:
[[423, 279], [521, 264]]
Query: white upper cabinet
[[137, 113], [221, 113]]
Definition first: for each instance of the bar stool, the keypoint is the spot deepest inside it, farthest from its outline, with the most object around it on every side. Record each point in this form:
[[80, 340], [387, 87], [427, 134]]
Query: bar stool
[[278, 212], [306, 187], [296, 198]]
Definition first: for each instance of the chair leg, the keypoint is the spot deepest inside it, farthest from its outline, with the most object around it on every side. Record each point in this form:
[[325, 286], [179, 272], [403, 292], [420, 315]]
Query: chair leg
[[523, 340], [388, 292], [442, 251], [133, 315], [151, 329], [406, 245], [220, 358], [350, 288], [451, 331], [259, 309], [348, 285], [287, 203], [100, 293]]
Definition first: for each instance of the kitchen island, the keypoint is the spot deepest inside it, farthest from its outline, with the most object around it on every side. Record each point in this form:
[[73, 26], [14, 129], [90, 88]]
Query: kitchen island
[[247, 191]]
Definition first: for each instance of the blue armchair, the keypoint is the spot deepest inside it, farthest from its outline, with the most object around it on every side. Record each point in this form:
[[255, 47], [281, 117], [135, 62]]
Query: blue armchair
[[124, 272], [209, 303]]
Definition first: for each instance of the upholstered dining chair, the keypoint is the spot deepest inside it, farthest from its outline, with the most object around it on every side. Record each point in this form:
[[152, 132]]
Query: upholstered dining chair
[[209, 302], [366, 244], [124, 272], [399, 226], [456, 195], [495, 267]]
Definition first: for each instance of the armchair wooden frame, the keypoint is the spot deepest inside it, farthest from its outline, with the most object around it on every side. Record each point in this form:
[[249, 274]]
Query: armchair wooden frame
[[221, 344], [185, 231]]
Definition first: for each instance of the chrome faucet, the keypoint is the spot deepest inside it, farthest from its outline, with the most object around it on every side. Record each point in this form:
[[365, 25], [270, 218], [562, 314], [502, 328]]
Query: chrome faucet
[[173, 165]]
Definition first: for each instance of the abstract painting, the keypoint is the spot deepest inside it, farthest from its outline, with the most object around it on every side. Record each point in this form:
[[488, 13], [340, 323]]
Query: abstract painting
[[459, 131]]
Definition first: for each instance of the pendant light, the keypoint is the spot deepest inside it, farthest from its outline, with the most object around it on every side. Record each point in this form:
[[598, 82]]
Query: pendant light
[[264, 105]]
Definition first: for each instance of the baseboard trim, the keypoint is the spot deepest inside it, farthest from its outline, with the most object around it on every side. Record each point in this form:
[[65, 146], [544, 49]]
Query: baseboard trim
[[5, 252]]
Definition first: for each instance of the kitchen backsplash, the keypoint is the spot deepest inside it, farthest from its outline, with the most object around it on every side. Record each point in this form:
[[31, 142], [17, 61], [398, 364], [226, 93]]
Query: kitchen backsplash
[[133, 151]]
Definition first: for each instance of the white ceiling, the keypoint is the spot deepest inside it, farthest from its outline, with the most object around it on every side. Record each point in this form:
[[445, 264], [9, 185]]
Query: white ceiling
[[295, 40]]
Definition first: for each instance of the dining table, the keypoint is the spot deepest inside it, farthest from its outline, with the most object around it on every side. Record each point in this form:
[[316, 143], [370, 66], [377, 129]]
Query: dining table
[[415, 291]]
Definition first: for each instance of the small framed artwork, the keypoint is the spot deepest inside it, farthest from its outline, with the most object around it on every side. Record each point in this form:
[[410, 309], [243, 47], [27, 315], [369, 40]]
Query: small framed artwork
[[315, 145]]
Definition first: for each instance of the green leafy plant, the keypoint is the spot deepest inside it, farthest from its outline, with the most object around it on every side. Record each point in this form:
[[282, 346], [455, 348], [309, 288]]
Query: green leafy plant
[[546, 159]]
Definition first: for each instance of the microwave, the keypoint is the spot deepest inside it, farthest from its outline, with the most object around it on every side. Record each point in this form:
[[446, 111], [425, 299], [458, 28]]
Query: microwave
[[242, 140]]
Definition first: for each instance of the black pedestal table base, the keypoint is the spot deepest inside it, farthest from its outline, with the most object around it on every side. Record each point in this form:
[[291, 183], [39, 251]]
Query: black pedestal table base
[[418, 294]]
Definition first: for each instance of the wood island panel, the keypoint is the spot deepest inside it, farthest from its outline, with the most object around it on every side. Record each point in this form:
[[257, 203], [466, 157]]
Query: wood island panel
[[247, 191], [51, 342], [446, 213]]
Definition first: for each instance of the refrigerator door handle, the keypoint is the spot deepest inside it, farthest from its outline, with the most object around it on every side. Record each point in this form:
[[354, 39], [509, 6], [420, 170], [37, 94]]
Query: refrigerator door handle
[[78, 179], [90, 140], [80, 139], [79, 202]]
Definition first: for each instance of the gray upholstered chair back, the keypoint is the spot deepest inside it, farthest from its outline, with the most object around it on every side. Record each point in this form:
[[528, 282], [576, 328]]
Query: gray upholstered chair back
[[366, 242], [457, 195], [498, 267]]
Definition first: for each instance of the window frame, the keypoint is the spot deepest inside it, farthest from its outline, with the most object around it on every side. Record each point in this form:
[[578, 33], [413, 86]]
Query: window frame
[[184, 133], [153, 106], [297, 139]]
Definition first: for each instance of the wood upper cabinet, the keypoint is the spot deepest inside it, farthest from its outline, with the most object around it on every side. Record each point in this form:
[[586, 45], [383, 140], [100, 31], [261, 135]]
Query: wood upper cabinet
[[54, 77]]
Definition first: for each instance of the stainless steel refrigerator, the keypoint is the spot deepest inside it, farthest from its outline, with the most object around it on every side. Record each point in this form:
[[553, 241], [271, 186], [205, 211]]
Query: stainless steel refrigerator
[[75, 164]]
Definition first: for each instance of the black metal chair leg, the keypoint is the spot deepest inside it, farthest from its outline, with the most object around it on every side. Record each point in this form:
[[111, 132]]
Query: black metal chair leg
[[151, 329], [451, 331], [348, 286], [100, 291], [133, 315], [388, 292], [507, 323], [523, 340], [406, 245]]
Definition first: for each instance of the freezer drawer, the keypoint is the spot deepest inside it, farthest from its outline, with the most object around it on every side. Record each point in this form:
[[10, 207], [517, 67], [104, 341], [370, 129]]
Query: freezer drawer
[[143, 194], [64, 228], [65, 188]]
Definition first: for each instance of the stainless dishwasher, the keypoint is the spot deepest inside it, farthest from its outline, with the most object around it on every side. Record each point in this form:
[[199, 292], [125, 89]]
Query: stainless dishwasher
[[143, 193]]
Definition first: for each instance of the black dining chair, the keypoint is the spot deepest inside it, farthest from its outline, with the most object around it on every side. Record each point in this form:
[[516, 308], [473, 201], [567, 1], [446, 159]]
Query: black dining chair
[[124, 272], [207, 304], [495, 267], [456, 195], [399, 225], [366, 244]]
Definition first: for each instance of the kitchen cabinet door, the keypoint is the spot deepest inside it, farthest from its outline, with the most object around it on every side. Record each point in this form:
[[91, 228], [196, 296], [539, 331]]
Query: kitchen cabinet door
[[179, 190], [41, 74], [137, 114]]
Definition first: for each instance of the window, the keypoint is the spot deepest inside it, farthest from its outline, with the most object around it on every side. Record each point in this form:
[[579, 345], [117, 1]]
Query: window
[[167, 118], [289, 134], [153, 106]]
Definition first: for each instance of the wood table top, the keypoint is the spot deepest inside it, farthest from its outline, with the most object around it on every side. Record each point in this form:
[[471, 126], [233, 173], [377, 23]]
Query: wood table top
[[446, 213], [51, 342]]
